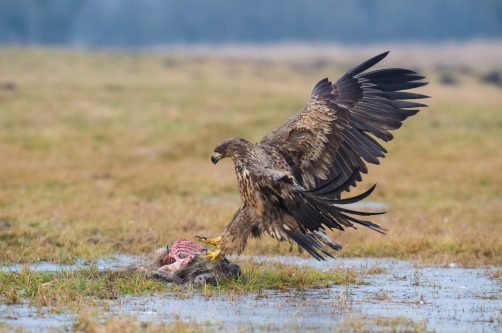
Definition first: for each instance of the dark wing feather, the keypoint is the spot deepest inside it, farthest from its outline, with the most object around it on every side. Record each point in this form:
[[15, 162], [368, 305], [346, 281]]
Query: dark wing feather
[[331, 136], [311, 209]]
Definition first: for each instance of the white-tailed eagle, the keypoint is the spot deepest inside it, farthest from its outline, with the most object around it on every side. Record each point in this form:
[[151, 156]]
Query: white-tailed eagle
[[291, 182]]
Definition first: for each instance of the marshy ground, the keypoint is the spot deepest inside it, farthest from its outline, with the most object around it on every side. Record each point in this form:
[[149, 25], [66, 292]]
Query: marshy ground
[[273, 294], [106, 153]]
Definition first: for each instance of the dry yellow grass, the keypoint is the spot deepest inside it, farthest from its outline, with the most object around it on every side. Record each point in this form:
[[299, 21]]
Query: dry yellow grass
[[364, 323], [90, 322], [109, 152]]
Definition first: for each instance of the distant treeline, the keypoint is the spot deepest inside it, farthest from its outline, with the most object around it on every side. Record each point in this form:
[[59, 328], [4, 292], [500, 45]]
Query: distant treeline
[[139, 23]]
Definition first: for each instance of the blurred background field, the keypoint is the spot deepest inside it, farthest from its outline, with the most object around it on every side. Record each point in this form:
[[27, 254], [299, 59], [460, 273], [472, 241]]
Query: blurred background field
[[105, 152], [110, 110]]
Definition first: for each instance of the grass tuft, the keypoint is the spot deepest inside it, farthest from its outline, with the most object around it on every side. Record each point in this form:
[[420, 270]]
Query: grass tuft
[[57, 289], [257, 278]]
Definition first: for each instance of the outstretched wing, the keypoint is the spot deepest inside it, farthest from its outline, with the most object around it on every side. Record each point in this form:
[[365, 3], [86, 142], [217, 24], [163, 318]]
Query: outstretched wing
[[333, 135]]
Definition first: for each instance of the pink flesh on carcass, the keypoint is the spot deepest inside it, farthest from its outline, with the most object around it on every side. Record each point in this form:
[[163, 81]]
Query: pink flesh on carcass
[[181, 253]]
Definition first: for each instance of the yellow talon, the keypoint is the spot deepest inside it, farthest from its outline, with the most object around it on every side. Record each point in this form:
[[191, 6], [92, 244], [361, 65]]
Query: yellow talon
[[214, 241], [214, 254]]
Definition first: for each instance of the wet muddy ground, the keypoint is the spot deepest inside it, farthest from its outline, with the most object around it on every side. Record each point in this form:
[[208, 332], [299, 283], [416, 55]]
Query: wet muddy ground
[[442, 299]]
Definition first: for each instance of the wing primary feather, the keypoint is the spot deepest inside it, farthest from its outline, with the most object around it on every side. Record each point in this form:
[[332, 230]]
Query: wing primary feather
[[358, 146], [403, 104], [376, 149], [367, 64], [384, 73], [328, 184], [352, 199], [354, 212], [398, 95], [375, 110], [358, 109], [345, 184], [367, 224], [347, 154], [393, 79], [345, 161], [373, 126], [401, 86]]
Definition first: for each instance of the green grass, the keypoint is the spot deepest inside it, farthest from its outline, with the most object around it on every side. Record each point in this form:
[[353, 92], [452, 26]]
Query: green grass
[[257, 277], [59, 289]]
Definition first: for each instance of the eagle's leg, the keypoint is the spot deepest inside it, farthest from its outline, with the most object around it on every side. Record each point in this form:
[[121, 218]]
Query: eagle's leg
[[216, 242]]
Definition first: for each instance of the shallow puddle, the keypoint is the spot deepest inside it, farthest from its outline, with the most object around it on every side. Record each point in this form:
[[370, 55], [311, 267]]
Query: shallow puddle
[[116, 262], [444, 299]]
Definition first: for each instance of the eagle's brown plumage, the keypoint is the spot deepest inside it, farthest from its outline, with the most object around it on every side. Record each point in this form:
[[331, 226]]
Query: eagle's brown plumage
[[290, 183]]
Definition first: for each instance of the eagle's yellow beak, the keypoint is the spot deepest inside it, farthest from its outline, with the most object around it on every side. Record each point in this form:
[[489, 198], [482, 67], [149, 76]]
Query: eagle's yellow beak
[[215, 157]]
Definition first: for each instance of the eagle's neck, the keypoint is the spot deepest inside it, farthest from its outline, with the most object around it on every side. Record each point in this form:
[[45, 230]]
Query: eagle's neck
[[245, 154], [242, 150]]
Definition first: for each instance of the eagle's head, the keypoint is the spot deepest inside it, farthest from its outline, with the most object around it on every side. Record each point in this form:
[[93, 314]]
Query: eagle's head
[[228, 148]]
